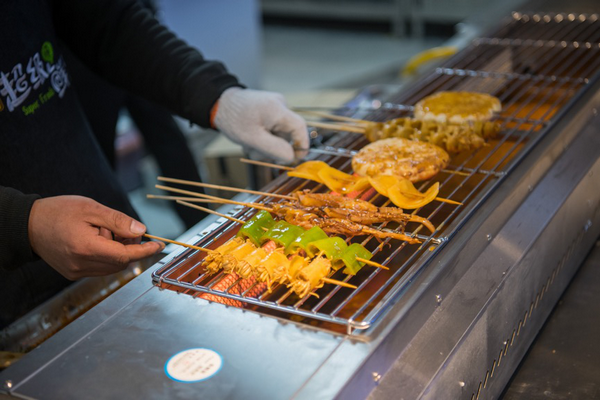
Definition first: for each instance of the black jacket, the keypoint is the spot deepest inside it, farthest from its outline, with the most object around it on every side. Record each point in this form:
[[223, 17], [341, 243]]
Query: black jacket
[[46, 147]]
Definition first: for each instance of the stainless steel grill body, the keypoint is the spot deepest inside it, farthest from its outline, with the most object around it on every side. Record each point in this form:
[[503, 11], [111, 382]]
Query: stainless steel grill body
[[461, 311]]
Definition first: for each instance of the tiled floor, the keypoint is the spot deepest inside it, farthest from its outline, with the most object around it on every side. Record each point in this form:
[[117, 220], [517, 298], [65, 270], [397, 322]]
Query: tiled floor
[[311, 67]]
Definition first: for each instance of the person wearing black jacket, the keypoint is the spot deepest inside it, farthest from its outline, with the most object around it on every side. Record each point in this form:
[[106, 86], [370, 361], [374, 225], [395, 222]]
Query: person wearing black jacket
[[63, 215]]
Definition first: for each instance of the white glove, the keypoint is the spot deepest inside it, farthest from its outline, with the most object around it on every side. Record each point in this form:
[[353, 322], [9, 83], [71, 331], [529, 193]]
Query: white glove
[[261, 121]]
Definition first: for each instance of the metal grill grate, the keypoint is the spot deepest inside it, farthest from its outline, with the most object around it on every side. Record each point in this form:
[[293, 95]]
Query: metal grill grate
[[535, 64]]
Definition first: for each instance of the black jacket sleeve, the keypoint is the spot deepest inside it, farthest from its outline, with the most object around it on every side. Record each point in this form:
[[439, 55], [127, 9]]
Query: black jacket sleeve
[[123, 42], [15, 207]]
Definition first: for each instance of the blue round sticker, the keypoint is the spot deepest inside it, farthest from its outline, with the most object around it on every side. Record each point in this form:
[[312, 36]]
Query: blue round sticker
[[193, 365]]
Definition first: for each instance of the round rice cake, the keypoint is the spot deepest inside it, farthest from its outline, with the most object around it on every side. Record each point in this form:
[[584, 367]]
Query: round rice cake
[[457, 107], [410, 159]]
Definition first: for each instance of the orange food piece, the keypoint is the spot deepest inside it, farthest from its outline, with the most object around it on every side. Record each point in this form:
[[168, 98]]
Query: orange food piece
[[309, 170], [239, 288], [341, 182], [402, 196], [382, 183], [402, 192], [457, 107]]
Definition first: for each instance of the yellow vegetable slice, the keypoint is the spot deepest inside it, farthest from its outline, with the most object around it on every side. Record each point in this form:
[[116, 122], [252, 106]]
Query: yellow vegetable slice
[[341, 182], [309, 170], [402, 191], [361, 184], [405, 195], [382, 183]]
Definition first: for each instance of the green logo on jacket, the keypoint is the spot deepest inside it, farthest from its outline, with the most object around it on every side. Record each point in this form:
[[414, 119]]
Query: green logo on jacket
[[48, 52]]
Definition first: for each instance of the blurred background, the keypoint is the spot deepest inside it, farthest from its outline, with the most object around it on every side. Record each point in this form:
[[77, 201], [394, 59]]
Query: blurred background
[[319, 53]]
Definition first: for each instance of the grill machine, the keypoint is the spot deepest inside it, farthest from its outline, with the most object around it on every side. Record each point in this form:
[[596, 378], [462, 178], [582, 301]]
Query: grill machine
[[452, 317]]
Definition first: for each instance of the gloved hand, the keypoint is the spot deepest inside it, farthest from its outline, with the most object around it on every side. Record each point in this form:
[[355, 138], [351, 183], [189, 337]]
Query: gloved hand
[[260, 120]]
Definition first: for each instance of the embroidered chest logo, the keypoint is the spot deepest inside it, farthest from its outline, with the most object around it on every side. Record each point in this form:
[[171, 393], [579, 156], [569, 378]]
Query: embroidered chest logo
[[17, 85]]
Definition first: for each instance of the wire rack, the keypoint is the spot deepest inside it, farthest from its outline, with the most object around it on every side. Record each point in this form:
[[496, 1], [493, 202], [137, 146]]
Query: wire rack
[[535, 64]]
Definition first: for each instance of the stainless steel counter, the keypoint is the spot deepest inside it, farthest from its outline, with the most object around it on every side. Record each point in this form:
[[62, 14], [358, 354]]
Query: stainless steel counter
[[564, 360]]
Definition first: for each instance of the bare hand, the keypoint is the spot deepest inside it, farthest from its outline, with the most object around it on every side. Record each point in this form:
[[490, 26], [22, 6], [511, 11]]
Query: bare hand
[[80, 237]]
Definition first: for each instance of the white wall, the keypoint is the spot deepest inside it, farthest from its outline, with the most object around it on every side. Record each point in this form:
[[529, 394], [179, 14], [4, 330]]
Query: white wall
[[226, 30]]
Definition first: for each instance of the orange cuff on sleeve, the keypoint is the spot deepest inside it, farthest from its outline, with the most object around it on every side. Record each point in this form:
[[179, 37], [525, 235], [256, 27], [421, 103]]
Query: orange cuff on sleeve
[[213, 114]]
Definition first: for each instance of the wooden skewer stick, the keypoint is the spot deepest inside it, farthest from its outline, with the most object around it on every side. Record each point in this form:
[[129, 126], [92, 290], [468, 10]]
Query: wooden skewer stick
[[228, 188], [188, 199], [176, 242], [218, 199], [208, 210], [332, 117], [212, 201], [371, 263], [162, 197], [338, 127], [265, 164], [453, 172], [339, 283]]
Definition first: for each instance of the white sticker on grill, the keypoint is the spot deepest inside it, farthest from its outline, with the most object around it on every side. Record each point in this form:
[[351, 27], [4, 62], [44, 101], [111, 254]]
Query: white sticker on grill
[[193, 365]]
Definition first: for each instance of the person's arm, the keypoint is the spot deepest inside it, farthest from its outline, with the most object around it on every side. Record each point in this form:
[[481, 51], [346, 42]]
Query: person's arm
[[75, 235], [123, 42], [14, 218]]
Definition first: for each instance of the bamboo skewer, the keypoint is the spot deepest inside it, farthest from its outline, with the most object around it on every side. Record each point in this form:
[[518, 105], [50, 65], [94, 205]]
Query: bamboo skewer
[[163, 197], [282, 167], [187, 199], [332, 117], [371, 263], [208, 210], [211, 201], [176, 242], [339, 283], [221, 187], [454, 172], [340, 127], [266, 164], [209, 197]]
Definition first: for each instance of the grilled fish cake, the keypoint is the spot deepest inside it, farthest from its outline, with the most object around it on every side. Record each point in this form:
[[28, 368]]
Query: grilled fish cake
[[457, 107], [413, 160]]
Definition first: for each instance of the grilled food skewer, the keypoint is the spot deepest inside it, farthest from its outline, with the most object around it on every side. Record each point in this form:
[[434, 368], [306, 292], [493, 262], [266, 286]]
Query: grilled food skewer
[[292, 215], [453, 136], [180, 200], [330, 225], [186, 201], [273, 267], [285, 168], [227, 258]]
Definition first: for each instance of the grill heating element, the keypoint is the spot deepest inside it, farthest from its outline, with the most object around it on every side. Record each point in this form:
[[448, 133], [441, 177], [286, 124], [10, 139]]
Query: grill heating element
[[535, 65]]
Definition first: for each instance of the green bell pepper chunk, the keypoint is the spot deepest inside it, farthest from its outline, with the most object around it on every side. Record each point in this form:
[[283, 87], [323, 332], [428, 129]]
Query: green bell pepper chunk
[[253, 228], [283, 233], [348, 259], [313, 234], [332, 247]]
